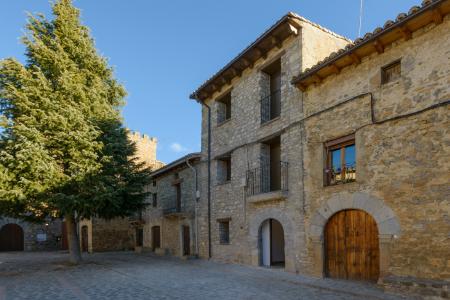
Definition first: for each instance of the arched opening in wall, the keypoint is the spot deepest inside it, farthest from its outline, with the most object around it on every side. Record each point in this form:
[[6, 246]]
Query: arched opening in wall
[[351, 246], [271, 244], [186, 240], [11, 238], [84, 238], [156, 237]]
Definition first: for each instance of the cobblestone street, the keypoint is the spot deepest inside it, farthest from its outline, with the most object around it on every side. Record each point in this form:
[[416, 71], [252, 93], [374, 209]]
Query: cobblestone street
[[127, 275]]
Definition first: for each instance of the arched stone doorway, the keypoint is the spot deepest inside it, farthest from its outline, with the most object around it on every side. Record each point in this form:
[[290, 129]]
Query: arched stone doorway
[[387, 224], [351, 246], [156, 237], [84, 239], [11, 238], [271, 244]]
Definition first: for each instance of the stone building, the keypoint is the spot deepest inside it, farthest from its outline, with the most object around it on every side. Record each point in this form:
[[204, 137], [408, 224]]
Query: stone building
[[169, 224], [17, 235], [330, 157], [118, 234]]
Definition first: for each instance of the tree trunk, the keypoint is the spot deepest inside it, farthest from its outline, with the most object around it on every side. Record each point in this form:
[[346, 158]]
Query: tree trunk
[[72, 238]]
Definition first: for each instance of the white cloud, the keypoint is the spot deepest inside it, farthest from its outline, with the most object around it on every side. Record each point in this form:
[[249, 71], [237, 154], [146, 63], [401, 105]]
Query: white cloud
[[177, 148]]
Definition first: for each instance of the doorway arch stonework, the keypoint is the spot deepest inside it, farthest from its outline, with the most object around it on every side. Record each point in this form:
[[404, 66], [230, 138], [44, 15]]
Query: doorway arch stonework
[[387, 222], [289, 236]]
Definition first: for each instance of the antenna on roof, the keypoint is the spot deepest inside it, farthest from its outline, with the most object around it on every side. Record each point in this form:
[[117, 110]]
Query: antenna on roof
[[360, 17]]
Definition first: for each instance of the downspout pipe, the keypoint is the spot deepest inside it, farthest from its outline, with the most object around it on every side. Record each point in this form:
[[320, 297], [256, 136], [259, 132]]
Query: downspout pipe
[[197, 196], [209, 174]]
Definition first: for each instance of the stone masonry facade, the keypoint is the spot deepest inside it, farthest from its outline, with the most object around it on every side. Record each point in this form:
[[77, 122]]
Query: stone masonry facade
[[401, 137], [165, 221], [119, 234]]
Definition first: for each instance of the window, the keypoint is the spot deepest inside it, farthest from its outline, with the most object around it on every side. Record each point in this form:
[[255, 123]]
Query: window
[[391, 72], [271, 101], [340, 161], [224, 108], [154, 182], [224, 169], [224, 232], [154, 200]]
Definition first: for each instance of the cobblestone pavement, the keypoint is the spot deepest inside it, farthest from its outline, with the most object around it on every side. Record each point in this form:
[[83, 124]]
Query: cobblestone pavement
[[127, 275]]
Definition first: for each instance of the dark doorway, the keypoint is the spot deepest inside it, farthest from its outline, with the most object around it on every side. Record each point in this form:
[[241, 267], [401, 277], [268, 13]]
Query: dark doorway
[[186, 241], [156, 238], [64, 242], [139, 237], [84, 239], [351, 246], [11, 238], [272, 243]]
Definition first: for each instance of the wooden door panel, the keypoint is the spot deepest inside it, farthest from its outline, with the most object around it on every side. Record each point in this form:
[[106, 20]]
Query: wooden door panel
[[351, 246]]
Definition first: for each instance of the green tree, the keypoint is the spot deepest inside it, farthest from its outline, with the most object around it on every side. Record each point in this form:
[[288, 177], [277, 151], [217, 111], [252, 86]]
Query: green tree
[[63, 149]]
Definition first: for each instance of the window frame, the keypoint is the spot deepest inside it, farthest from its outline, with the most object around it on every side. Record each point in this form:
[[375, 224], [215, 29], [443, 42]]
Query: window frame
[[225, 102], [384, 78], [154, 200], [330, 146], [224, 160], [224, 227]]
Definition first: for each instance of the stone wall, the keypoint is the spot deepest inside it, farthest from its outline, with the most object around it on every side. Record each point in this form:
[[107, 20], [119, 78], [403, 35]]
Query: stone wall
[[171, 224], [241, 136], [402, 165], [145, 149], [51, 229]]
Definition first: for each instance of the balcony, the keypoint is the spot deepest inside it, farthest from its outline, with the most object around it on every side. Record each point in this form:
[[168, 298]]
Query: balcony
[[176, 212], [136, 219], [270, 106], [267, 183]]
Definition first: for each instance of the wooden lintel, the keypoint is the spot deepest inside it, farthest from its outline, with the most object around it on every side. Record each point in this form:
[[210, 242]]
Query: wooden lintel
[[356, 59], [317, 78], [301, 86], [261, 53], [407, 34], [378, 46], [335, 69], [437, 16], [276, 41], [247, 62]]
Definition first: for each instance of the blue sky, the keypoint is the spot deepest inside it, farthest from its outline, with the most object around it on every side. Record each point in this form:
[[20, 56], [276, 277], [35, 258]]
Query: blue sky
[[163, 50]]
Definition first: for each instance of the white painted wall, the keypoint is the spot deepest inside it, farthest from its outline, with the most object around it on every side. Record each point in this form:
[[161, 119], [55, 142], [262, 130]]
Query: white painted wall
[[265, 243]]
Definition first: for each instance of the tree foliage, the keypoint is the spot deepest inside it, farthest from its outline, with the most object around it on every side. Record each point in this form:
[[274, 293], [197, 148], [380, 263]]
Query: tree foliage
[[63, 149]]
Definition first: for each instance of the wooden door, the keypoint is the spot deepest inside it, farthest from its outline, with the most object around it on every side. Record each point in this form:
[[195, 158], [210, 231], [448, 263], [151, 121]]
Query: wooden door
[[64, 241], [84, 239], [351, 246], [186, 241], [156, 238], [11, 238]]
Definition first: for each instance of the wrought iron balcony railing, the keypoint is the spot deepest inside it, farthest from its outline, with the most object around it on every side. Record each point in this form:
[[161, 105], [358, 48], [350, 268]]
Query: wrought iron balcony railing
[[270, 106], [172, 210], [341, 175], [266, 179]]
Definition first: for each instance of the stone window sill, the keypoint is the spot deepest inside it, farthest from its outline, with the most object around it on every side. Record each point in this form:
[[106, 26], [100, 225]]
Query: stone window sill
[[270, 196], [223, 183], [270, 121], [223, 123]]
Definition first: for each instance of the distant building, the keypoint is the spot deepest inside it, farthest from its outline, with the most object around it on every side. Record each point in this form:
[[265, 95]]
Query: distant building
[[98, 234], [169, 225]]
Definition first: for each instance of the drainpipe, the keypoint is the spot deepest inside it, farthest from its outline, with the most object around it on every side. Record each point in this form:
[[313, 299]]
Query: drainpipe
[[209, 174], [197, 196]]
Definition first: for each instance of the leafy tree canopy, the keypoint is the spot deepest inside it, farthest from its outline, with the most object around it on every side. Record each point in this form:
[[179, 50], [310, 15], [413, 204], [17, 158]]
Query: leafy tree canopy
[[63, 149]]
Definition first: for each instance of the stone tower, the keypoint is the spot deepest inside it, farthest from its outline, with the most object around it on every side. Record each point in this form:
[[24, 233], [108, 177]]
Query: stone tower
[[146, 149]]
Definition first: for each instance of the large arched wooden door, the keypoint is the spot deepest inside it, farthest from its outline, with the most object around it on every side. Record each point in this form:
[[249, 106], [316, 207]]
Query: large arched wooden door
[[11, 238], [351, 246]]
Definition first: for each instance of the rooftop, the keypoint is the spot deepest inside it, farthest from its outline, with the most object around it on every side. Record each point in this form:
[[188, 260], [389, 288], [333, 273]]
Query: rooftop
[[431, 11], [273, 37]]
